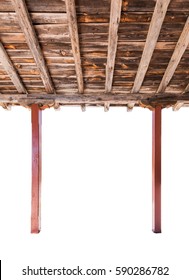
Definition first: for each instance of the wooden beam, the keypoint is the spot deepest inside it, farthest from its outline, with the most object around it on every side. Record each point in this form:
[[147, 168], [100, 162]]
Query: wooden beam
[[27, 27], [36, 168], [156, 169], [11, 71], [180, 48], [177, 106], [119, 99], [73, 29], [186, 89], [151, 40], [115, 15], [74, 99]]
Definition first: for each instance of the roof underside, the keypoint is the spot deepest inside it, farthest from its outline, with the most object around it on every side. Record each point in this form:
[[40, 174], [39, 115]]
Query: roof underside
[[94, 52]]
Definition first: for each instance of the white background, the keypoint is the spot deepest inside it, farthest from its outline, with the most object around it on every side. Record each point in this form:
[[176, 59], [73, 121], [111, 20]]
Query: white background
[[96, 192]]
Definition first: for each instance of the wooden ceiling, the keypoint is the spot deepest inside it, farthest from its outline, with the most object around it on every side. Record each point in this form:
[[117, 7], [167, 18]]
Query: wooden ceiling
[[94, 52]]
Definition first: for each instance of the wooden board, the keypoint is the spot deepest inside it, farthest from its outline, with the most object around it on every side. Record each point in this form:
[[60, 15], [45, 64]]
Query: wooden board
[[51, 24]]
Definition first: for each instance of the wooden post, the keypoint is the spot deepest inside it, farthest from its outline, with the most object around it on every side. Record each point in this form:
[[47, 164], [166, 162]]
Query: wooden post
[[36, 168], [156, 169]]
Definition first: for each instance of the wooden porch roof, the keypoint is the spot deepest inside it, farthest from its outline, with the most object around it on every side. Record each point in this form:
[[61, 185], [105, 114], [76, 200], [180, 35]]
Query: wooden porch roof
[[94, 52]]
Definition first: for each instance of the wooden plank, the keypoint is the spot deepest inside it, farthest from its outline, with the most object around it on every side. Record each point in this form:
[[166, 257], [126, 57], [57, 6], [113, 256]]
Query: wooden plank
[[11, 71], [151, 40], [127, 37], [93, 7], [156, 170], [58, 18], [72, 22], [33, 43], [37, 18], [36, 168], [115, 15], [180, 48], [93, 48]]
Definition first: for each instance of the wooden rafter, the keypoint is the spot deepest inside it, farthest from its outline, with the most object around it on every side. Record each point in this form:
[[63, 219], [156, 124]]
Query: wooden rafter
[[11, 71], [151, 40], [73, 29], [27, 27], [115, 15], [180, 48], [178, 105], [186, 89]]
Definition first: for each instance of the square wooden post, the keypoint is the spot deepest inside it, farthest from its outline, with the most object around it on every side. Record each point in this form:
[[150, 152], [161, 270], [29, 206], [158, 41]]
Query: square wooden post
[[36, 118], [156, 170]]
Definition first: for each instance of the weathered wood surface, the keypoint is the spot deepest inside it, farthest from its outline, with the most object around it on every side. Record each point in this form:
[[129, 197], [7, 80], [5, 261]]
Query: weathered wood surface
[[87, 6], [11, 71], [115, 14], [151, 40], [32, 41], [74, 36], [92, 99], [176, 57], [51, 23]]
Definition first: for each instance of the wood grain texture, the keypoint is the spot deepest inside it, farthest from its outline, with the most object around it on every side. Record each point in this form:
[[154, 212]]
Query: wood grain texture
[[36, 121], [91, 98], [156, 169], [175, 58], [32, 41], [50, 23], [115, 15], [151, 40], [11, 71], [72, 23], [178, 105]]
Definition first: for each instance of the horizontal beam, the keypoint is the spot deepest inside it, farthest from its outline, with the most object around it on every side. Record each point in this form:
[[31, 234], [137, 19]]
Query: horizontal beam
[[71, 99], [92, 99]]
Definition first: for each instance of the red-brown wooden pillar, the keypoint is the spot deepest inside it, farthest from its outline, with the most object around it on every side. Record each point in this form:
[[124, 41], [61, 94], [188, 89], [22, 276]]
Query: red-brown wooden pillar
[[36, 168], [156, 170]]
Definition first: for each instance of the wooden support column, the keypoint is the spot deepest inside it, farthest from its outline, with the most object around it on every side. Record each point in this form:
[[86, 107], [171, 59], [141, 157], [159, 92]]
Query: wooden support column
[[36, 168], [156, 169]]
